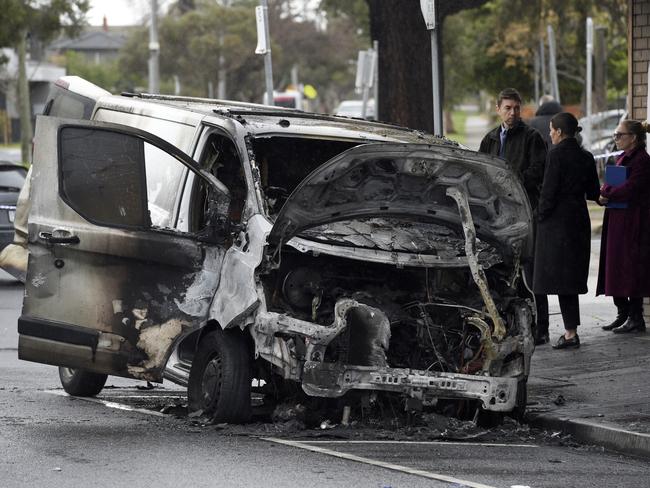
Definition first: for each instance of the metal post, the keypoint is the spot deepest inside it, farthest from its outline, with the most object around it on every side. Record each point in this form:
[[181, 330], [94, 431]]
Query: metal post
[[295, 81], [24, 103], [364, 103], [368, 75], [375, 46], [221, 76], [268, 62], [536, 66], [435, 78], [154, 50], [600, 69], [177, 85], [542, 62], [552, 65], [588, 88], [428, 8]]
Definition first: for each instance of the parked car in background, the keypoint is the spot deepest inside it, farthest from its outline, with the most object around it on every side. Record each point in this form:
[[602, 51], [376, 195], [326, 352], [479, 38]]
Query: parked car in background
[[212, 243], [602, 144], [354, 108], [12, 179], [602, 123]]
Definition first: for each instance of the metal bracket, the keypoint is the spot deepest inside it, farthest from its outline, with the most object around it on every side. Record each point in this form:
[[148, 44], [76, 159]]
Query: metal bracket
[[478, 275]]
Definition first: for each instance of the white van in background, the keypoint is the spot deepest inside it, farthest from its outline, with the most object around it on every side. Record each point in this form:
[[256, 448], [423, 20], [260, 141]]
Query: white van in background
[[354, 108]]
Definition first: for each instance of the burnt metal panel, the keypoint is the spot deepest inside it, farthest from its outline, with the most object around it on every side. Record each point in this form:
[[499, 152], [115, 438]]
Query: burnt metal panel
[[57, 331]]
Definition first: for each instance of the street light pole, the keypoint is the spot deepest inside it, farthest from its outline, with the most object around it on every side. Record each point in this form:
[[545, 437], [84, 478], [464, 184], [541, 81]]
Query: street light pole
[[264, 46], [588, 87], [435, 78], [154, 50], [428, 8], [552, 64]]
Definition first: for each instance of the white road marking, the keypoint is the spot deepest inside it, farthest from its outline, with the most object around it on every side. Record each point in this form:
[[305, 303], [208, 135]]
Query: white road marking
[[151, 396], [424, 443], [106, 403], [381, 464]]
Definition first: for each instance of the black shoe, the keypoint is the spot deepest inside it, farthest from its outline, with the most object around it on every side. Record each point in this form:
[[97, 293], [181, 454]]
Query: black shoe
[[562, 343], [542, 339], [633, 324], [620, 320]]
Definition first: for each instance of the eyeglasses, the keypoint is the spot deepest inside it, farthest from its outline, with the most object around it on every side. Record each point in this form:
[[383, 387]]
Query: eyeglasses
[[618, 135]]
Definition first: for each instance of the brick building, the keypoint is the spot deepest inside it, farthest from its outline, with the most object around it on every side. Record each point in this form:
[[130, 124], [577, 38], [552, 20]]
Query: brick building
[[638, 67], [639, 55]]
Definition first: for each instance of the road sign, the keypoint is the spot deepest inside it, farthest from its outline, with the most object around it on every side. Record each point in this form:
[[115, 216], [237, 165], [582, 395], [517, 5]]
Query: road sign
[[310, 92], [428, 8], [365, 69], [262, 31]]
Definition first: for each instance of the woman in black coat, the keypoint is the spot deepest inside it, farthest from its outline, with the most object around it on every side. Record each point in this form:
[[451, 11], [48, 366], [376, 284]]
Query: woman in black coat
[[563, 242]]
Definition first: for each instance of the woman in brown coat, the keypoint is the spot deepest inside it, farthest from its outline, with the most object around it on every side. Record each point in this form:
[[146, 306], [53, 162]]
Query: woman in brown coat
[[563, 241], [624, 271]]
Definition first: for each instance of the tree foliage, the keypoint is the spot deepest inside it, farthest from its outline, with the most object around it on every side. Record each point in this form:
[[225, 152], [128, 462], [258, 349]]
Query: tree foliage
[[405, 84], [192, 41], [104, 74], [494, 46], [485, 45], [41, 20], [44, 19]]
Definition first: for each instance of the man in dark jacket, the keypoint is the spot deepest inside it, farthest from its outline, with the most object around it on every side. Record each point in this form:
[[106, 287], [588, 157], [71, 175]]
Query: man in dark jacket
[[525, 152], [548, 107]]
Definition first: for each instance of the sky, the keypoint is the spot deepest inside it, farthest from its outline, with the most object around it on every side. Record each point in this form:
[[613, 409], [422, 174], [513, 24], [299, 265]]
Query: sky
[[121, 12], [130, 12]]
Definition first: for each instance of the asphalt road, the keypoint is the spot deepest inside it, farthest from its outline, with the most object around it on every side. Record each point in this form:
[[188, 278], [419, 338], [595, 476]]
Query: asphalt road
[[121, 439]]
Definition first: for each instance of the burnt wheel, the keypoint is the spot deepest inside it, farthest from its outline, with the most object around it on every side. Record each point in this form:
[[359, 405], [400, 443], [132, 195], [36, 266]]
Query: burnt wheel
[[78, 382], [220, 377]]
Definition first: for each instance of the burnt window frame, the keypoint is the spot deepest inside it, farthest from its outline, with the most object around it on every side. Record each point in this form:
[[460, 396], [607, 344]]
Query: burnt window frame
[[194, 189], [144, 137]]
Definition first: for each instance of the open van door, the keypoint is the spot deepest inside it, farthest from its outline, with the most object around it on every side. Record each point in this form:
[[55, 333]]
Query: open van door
[[111, 285]]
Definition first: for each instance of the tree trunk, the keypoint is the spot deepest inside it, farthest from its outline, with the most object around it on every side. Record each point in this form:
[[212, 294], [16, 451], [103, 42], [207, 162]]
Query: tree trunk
[[24, 103], [404, 63], [405, 84]]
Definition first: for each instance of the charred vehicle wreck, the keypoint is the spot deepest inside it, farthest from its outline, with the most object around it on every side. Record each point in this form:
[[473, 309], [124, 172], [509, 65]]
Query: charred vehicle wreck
[[214, 243]]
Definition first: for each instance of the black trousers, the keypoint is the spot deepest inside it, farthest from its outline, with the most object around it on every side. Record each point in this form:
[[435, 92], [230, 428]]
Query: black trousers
[[629, 306], [541, 303], [570, 308]]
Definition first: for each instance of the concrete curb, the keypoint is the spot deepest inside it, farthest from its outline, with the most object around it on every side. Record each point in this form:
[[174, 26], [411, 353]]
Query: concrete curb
[[594, 433]]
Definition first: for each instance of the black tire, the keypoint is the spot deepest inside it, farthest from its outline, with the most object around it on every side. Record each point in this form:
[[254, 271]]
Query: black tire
[[519, 412], [220, 377], [78, 382]]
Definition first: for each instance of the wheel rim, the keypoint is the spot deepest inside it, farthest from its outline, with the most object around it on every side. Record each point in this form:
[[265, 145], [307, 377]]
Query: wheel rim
[[67, 373], [211, 383]]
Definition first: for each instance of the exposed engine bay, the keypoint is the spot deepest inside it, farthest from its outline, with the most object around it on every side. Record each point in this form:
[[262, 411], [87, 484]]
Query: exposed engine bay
[[427, 320], [388, 269]]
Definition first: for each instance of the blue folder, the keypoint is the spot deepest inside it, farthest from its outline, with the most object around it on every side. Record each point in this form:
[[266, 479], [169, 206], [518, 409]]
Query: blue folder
[[616, 176]]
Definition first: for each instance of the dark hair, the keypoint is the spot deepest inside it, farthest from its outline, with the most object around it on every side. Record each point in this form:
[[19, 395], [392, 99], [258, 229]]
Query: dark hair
[[567, 123], [637, 128], [509, 94]]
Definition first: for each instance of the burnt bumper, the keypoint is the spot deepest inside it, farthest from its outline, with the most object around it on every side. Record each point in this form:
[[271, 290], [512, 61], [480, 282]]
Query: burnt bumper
[[333, 380]]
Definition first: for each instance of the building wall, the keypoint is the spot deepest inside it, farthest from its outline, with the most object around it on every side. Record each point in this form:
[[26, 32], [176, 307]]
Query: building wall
[[639, 55]]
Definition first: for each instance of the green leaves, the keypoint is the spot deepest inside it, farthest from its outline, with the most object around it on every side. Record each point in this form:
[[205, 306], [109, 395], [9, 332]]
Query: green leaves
[[193, 41], [43, 19], [494, 46]]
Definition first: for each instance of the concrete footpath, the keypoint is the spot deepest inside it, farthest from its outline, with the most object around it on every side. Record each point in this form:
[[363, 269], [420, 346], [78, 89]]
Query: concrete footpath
[[600, 393]]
